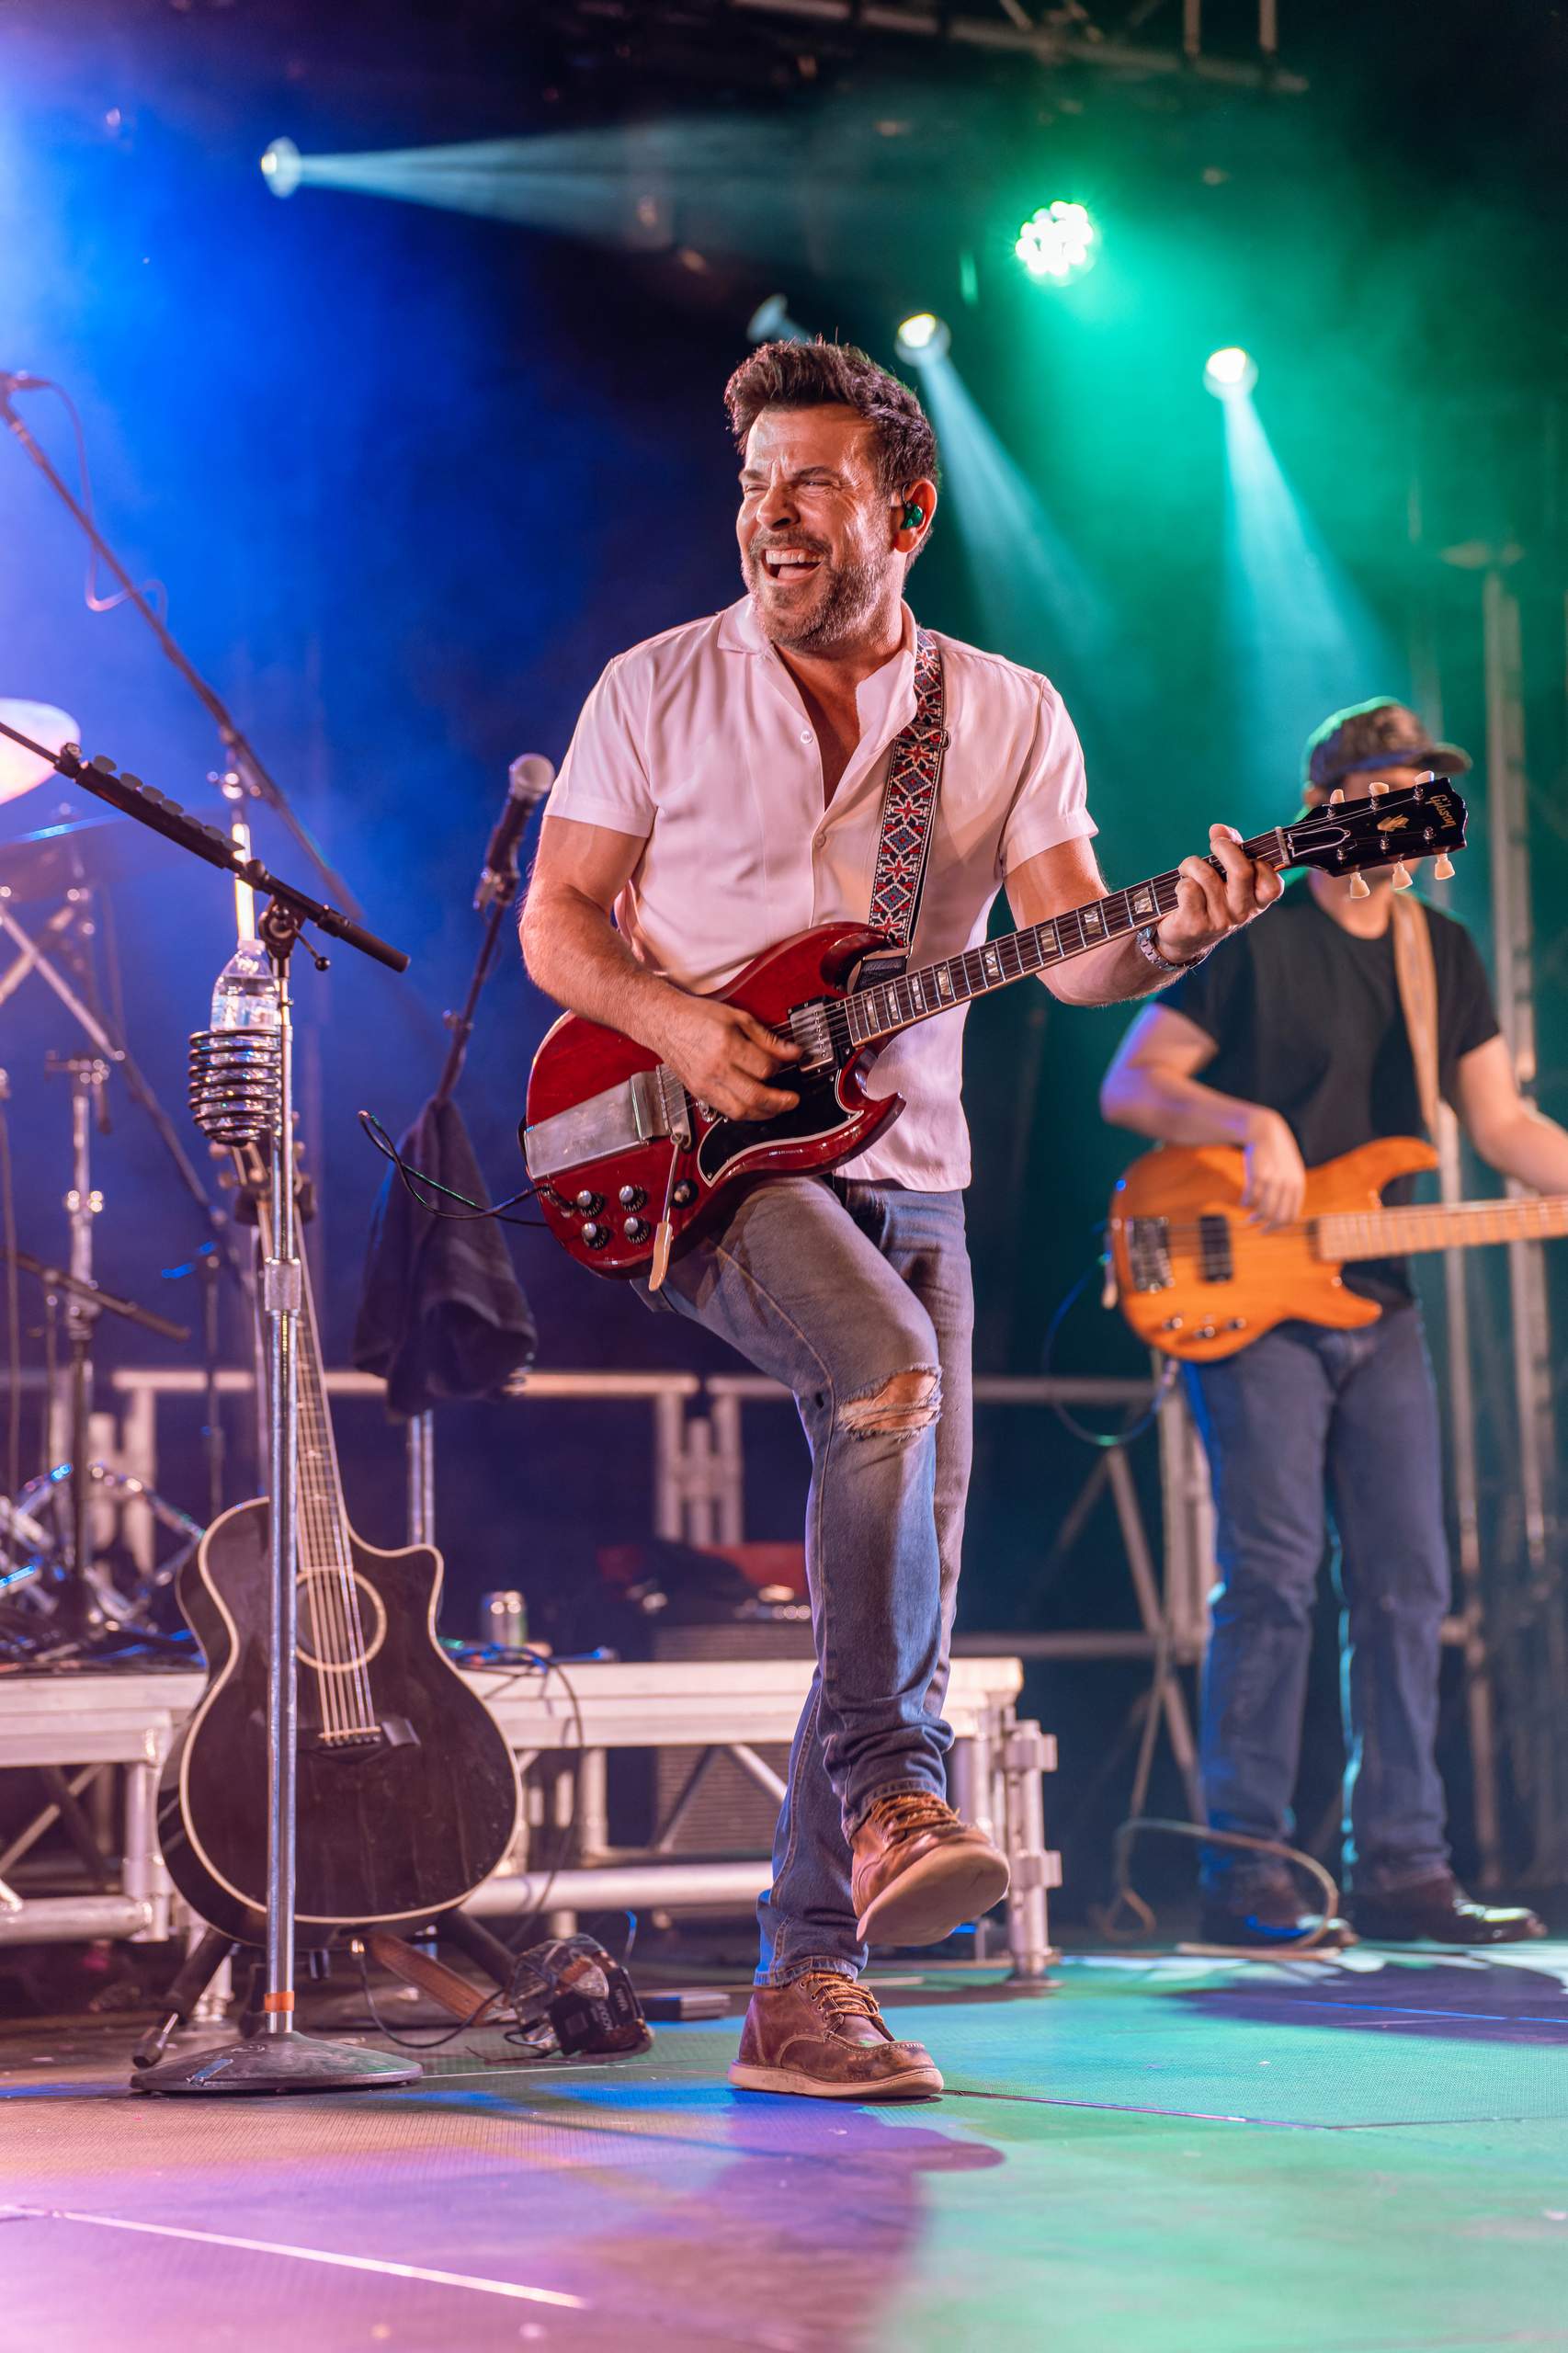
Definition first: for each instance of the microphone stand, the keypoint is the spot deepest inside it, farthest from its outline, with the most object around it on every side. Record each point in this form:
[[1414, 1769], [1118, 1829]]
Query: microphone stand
[[239, 752], [278, 2058], [461, 1024]]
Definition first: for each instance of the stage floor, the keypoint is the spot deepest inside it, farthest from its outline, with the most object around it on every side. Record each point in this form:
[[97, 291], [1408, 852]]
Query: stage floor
[[1359, 2156]]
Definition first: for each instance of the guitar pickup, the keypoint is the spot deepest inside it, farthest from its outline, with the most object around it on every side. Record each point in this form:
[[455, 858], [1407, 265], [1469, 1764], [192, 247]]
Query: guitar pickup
[[1214, 1253]]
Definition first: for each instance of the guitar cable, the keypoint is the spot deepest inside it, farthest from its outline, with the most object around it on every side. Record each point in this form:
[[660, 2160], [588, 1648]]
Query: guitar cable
[[413, 1177], [1104, 1441]]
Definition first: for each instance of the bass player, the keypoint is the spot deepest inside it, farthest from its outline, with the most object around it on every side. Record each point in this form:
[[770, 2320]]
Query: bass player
[[723, 789], [1293, 1043]]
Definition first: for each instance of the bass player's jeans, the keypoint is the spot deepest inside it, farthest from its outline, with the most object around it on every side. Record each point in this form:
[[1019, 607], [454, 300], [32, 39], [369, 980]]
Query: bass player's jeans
[[836, 1288], [1312, 1434]]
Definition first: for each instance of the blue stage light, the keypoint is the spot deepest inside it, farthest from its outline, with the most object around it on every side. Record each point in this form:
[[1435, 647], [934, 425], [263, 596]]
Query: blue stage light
[[280, 167]]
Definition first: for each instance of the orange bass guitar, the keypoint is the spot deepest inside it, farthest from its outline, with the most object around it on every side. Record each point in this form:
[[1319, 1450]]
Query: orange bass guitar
[[1196, 1278]]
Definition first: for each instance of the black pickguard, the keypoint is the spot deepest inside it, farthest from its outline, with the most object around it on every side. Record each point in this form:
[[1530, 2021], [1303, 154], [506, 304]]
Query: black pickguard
[[401, 1825], [819, 1112]]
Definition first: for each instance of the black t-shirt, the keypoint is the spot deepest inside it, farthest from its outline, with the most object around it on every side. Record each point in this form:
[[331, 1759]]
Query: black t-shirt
[[1308, 1022]]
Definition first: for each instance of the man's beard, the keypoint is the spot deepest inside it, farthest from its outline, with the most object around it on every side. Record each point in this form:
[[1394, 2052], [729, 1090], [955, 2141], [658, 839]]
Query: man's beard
[[850, 594]]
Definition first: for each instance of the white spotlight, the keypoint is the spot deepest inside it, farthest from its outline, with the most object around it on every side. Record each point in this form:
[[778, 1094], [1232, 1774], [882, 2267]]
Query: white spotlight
[[280, 167], [1229, 374], [922, 337]]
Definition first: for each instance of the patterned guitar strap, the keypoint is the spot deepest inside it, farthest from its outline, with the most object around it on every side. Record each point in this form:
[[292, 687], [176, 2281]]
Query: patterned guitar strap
[[909, 807], [909, 810]]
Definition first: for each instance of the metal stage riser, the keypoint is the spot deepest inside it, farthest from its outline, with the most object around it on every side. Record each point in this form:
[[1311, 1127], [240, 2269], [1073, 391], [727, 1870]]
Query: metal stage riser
[[131, 1719]]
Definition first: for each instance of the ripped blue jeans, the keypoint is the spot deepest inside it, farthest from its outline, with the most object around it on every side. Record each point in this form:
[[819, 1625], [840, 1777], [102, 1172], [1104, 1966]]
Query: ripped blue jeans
[[836, 1288]]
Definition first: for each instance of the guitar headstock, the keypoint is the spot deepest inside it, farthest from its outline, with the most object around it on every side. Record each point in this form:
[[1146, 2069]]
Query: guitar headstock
[[1383, 829]]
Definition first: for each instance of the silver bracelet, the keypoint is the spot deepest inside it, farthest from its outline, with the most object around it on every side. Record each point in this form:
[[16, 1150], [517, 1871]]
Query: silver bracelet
[[1149, 948]]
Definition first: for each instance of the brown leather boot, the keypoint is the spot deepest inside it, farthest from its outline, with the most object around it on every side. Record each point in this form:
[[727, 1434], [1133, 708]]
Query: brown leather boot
[[918, 1872], [824, 2036]]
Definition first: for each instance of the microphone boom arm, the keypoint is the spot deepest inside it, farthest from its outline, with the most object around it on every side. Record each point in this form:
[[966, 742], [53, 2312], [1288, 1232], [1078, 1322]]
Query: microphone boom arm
[[155, 810], [236, 743]]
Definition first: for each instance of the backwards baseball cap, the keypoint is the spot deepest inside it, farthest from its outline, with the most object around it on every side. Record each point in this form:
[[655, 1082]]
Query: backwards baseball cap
[[1381, 734]]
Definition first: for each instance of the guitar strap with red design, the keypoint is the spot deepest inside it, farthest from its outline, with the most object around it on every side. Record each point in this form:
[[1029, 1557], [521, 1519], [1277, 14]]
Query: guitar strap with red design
[[909, 810]]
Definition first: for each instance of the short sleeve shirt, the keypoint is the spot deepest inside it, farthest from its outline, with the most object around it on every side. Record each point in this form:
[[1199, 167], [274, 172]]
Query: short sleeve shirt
[[1307, 1020], [697, 743]]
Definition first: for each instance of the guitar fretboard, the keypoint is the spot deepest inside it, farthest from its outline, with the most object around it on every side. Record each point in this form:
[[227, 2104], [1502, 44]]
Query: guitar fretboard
[[888, 1006], [1438, 1225]]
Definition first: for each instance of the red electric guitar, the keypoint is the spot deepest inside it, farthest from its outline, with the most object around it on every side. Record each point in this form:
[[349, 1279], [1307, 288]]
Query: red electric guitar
[[628, 1165]]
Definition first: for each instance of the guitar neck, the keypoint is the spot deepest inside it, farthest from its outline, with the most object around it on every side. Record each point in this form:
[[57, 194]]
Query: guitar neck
[[889, 1007], [1440, 1225], [323, 1516], [318, 1485]]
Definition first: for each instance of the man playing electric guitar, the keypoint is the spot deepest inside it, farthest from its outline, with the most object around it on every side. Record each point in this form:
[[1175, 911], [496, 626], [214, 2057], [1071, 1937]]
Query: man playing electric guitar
[[723, 791], [1293, 1043]]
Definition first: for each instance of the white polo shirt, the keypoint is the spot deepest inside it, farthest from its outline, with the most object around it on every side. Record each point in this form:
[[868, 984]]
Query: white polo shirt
[[697, 741]]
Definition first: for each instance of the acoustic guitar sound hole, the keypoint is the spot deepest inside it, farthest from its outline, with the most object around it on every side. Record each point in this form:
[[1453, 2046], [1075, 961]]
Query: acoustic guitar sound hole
[[338, 1634]]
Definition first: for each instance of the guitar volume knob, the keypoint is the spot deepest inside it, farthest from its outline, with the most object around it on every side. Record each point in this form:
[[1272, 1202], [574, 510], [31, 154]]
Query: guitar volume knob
[[589, 1203], [631, 1197], [596, 1236], [636, 1229]]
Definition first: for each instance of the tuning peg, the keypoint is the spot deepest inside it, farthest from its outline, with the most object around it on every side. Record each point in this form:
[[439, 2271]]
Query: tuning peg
[[1336, 796], [1375, 789], [1401, 875], [1443, 871], [1358, 886]]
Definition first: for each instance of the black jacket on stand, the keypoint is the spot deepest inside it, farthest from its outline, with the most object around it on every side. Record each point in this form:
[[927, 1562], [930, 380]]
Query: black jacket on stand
[[442, 1315]]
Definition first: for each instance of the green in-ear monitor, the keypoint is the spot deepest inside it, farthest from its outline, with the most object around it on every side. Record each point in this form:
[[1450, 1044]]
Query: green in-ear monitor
[[914, 517]]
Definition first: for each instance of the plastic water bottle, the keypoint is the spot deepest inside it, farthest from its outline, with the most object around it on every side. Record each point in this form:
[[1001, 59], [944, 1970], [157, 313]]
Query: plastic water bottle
[[246, 993]]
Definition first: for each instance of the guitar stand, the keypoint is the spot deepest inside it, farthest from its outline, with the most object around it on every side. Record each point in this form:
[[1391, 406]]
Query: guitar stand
[[393, 1953]]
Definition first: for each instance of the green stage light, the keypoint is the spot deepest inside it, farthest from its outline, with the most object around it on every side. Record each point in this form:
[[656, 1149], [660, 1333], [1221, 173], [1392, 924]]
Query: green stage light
[[1058, 241], [922, 337], [1229, 374]]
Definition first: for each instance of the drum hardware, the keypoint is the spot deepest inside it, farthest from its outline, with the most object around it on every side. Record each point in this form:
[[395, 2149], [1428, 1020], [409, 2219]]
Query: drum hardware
[[57, 859], [56, 1577]]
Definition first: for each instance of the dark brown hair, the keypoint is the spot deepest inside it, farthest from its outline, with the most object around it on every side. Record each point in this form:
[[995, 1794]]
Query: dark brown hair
[[824, 375]]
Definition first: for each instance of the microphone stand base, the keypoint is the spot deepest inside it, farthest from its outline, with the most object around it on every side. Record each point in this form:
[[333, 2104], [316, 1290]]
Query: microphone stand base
[[279, 2062]]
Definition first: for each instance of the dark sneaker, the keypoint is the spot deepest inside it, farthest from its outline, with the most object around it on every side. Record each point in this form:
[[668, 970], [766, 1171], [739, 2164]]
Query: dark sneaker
[[1267, 1917], [1438, 1910], [918, 1872], [823, 2036]]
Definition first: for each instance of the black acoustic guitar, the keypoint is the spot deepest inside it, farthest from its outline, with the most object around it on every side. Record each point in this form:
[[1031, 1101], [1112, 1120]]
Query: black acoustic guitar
[[407, 1790]]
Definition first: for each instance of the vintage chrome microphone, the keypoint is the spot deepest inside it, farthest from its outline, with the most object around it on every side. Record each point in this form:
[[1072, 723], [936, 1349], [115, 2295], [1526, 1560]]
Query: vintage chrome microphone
[[235, 1081]]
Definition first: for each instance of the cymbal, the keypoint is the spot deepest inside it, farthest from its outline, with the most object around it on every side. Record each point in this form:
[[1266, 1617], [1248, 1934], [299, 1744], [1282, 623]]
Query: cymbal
[[46, 864], [75, 850], [19, 770]]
